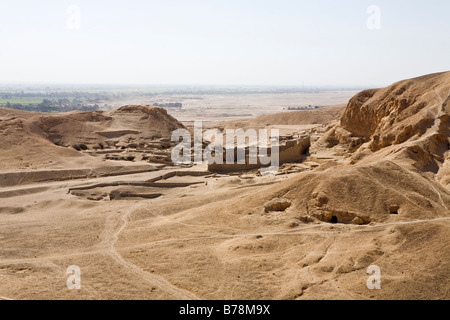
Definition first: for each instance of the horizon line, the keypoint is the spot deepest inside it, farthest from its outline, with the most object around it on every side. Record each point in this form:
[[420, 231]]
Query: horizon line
[[180, 85]]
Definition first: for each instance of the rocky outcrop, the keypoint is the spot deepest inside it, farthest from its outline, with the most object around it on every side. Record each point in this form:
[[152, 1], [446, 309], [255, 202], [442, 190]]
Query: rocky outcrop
[[406, 111], [128, 125], [397, 165]]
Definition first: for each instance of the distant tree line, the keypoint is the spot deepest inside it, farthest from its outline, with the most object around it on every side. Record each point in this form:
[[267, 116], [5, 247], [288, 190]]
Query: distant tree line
[[85, 95], [59, 105], [62, 101]]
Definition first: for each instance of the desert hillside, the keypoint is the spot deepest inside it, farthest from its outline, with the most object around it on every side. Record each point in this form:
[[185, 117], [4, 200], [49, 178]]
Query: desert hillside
[[322, 115], [398, 139], [84, 140], [373, 189]]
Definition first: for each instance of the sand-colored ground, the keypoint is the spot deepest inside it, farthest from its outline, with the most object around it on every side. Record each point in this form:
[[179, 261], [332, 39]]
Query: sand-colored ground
[[145, 230]]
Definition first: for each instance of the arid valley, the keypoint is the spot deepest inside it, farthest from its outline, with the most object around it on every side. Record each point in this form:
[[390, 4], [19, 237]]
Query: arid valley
[[98, 190]]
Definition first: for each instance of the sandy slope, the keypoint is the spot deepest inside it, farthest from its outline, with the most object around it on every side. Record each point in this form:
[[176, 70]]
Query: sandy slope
[[381, 173], [33, 140], [301, 117]]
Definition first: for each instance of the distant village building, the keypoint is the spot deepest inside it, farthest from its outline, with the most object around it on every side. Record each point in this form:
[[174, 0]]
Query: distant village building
[[304, 108], [169, 105]]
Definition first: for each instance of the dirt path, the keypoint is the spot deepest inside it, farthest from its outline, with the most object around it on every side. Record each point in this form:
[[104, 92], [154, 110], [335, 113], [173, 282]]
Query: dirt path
[[112, 234], [437, 193], [360, 228], [154, 279]]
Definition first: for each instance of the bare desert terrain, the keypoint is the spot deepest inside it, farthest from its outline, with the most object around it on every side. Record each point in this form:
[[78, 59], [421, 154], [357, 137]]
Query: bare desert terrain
[[217, 107], [98, 190]]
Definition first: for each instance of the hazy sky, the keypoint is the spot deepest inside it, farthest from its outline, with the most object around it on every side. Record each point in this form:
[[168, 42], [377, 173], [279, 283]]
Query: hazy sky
[[243, 42]]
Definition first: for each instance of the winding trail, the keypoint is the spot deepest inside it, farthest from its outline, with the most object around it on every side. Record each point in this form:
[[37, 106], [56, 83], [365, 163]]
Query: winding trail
[[422, 178], [359, 228], [151, 278], [178, 293], [112, 251], [435, 190]]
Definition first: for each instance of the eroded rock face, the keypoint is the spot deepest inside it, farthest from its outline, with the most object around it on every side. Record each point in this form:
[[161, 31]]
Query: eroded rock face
[[406, 110], [408, 122], [397, 142], [359, 117]]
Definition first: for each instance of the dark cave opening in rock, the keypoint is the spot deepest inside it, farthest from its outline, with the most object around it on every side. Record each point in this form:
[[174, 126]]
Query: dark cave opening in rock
[[334, 219], [394, 209]]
